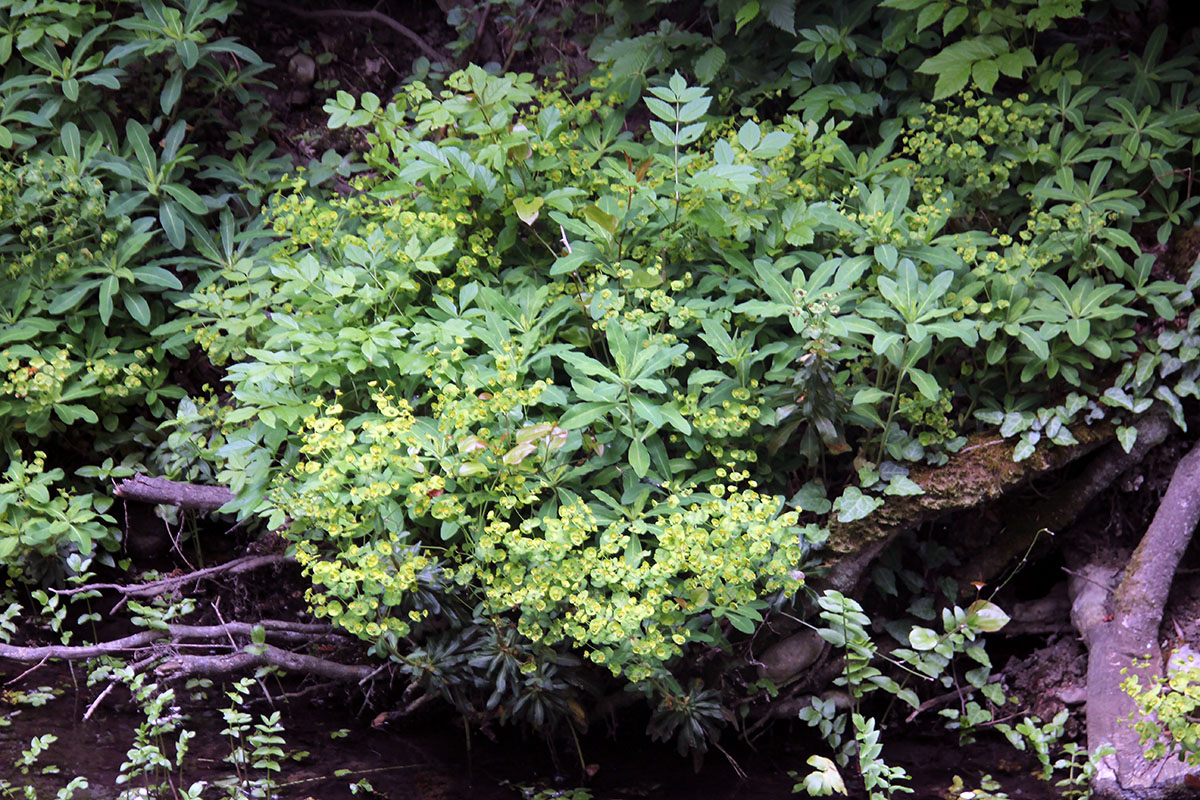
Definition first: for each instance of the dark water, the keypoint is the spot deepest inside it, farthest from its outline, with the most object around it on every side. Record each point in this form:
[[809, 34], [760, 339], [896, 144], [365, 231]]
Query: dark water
[[430, 760]]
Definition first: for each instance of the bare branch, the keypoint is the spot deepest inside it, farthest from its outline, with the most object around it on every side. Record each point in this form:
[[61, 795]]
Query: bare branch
[[161, 491], [262, 655], [371, 15], [238, 565], [296, 632]]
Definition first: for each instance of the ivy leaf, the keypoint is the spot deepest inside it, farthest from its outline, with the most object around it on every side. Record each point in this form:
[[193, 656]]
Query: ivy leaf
[[811, 497], [854, 505], [1127, 436], [903, 486]]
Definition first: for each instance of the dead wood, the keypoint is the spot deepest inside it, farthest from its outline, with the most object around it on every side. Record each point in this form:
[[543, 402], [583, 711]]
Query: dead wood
[[152, 588], [160, 491], [234, 636], [980, 473]]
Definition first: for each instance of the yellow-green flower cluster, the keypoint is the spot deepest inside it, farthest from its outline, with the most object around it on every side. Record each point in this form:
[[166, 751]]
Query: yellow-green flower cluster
[[720, 420], [625, 591], [956, 147]]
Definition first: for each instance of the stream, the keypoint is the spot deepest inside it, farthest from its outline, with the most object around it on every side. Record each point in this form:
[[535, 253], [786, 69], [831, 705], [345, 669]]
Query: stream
[[430, 760]]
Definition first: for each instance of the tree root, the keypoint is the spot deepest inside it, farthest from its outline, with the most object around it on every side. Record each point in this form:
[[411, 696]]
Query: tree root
[[1124, 628]]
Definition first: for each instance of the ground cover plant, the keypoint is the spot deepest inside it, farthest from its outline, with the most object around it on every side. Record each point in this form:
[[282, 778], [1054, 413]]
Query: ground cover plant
[[583, 392]]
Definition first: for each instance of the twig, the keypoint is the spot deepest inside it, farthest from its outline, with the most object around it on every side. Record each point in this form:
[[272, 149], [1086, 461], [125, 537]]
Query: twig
[[92, 706], [238, 565], [373, 15], [941, 699], [34, 668]]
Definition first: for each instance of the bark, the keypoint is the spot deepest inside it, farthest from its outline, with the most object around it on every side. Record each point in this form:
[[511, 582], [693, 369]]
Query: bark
[[164, 643], [189, 666], [1125, 627], [1025, 521], [980, 473], [279, 630], [161, 491], [153, 588]]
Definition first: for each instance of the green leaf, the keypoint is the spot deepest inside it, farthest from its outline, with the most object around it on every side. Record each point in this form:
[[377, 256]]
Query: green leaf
[[1127, 436], [69, 135], [746, 14], [601, 219], [137, 307], [527, 210], [926, 383], [107, 290], [171, 92], [140, 142], [954, 17], [639, 458], [854, 505], [811, 497], [68, 300], [953, 65], [583, 414], [986, 616], [922, 638], [985, 74], [781, 14], [172, 223], [187, 198], [708, 65]]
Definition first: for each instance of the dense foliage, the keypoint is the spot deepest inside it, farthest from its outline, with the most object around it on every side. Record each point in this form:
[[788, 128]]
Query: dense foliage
[[565, 392]]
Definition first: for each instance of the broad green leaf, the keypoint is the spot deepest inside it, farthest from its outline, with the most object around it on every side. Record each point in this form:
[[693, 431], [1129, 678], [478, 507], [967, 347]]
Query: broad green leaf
[[987, 616], [854, 505], [527, 210], [922, 638]]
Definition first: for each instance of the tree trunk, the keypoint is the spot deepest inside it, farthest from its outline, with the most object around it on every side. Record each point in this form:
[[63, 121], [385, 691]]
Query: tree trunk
[[1125, 627]]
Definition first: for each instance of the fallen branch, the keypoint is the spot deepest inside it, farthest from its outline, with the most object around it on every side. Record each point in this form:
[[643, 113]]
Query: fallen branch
[[238, 565], [160, 491], [181, 666], [172, 634], [371, 15]]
